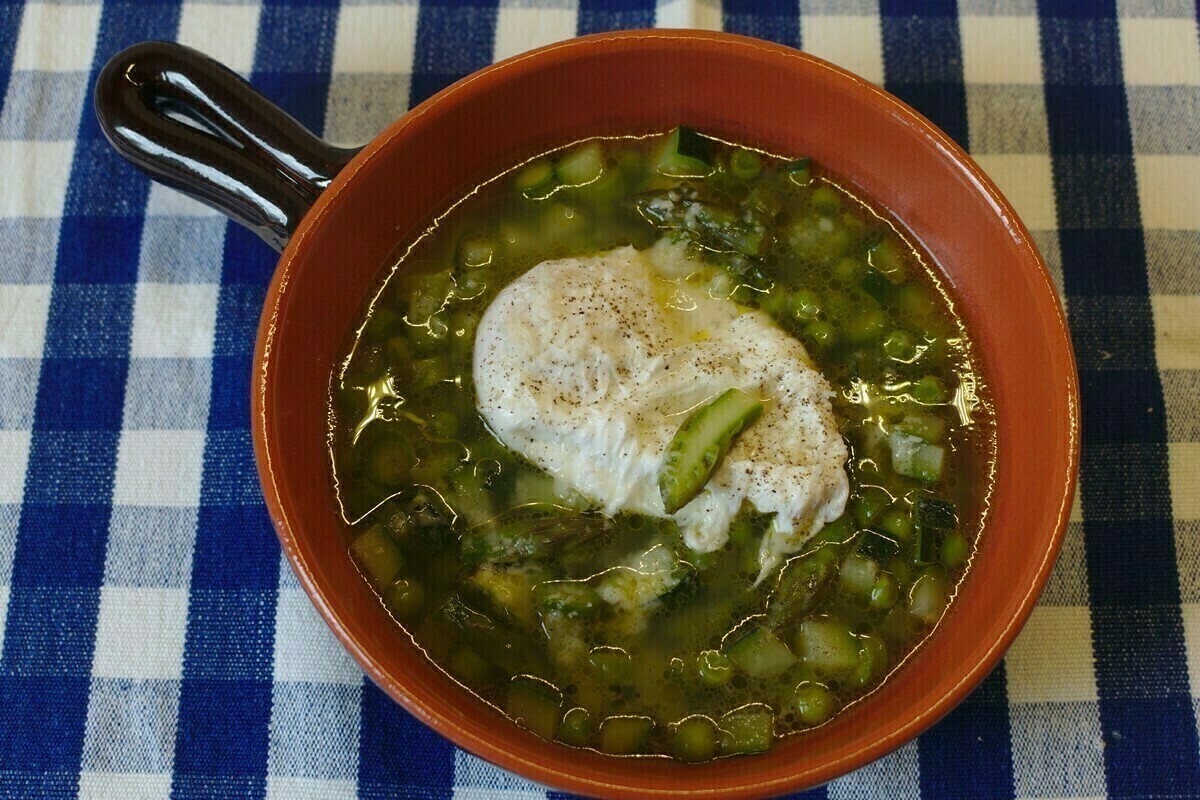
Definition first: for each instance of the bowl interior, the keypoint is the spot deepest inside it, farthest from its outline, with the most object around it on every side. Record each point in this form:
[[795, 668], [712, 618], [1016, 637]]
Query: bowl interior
[[742, 90]]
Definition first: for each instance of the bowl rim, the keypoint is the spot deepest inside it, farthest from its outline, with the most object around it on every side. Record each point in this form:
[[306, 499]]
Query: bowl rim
[[492, 749]]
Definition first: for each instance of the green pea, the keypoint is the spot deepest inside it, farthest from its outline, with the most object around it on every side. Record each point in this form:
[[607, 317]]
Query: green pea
[[820, 332], [955, 550], [714, 668], [476, 251], [928, 390], [867, 325], [806, 305], [695, 739], [848, 270], [407, 598], [900, 346], [813, 703], [745, 165], [577, 727], [897, 523], [884, 593]]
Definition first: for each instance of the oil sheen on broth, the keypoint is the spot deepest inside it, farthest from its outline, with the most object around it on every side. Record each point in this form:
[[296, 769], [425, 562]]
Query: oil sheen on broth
[[646, 562]]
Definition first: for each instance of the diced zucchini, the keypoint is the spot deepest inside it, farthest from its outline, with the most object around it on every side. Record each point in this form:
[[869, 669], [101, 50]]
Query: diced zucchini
[[927, 426], [799, 171], [927, 597], [534, 704], [581, 166], [625, 735], [577, 727], [897, 525], [470, 667], [925, 548], [683, 154], [695, 739], [916, 458], [813, 703], [378, 556], [858, 574], [745, 165], [507, 592], [827, 645], [876, 545], [612, 665], [535, 180], [930, 512], [701, 442], [571, 599], [749, 729], [760, 654], [644, 579], [872, 660]]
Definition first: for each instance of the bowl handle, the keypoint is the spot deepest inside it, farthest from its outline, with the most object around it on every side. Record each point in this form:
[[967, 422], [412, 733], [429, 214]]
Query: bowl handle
[[195, 125]]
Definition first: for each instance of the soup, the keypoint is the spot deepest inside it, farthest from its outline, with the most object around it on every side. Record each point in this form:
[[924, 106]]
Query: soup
[[662, 445]]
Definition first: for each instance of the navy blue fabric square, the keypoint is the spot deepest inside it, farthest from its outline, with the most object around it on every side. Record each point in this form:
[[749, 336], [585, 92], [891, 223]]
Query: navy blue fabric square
[[236, 550], [41, 734], [1112, 261], [81, 394], [99, 250], [1087, 120], [223, 750], [944, 104], [1085, 44], [1131, 561], [387, 730], [454, 38], [1123, 408], [922, 50], [89, 321], [597, 16], [969, 753], [1126, 483], [1149, 749], [71, 468], [49, 635], [776, 20], [61, 546]]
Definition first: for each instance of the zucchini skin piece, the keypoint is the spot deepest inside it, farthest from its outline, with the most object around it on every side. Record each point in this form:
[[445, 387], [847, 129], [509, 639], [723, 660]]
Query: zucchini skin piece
[[701, 443]]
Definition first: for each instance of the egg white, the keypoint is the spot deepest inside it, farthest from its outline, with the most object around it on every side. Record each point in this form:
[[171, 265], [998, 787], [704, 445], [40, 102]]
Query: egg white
[[588, 366]]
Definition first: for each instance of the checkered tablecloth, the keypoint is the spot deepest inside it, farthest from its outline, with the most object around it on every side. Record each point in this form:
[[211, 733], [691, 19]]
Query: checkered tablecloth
[[154, 643]]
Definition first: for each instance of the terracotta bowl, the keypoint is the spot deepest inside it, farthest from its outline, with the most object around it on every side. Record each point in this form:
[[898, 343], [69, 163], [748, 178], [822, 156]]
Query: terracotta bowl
[[341, 212]]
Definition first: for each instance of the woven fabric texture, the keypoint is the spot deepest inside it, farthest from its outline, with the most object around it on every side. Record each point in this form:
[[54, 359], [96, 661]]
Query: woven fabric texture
[[153, 642]]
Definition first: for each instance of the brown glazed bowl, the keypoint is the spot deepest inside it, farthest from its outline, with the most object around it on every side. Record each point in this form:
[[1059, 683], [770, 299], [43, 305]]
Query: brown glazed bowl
[[342, 212]]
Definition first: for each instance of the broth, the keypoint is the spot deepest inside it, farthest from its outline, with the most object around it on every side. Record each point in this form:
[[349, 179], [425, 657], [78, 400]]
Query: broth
[[609, 631]]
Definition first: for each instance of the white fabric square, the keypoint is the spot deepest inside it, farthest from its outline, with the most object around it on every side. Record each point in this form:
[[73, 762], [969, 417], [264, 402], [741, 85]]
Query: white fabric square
[[1028, 183], [305, 650], [159, 468], [853, 43], [1057, 750], [123, 786], [1191, 639], [1002, 50], [174, 320], [287, 788], [314, 731], [23, 312], [896, 776], [57, 38], [376, 39], [700, 14], [1160, 52], [1177, 330], [476, 778], [1169, 190], [226, 32], [167, 202], [14, 455], [36, 175], [1184, 459], [487, 793], [1051, 660], [520, 29], [139, 633]]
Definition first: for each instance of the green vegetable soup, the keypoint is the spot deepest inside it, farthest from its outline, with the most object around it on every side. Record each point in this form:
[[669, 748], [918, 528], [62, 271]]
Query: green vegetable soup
[[618, 631]]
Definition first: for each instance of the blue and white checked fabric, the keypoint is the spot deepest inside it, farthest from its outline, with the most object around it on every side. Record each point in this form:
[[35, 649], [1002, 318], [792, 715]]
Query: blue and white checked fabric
[[154, 644]]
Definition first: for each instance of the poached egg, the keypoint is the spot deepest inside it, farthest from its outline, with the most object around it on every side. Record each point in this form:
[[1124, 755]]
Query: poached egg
[[588, 366]]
